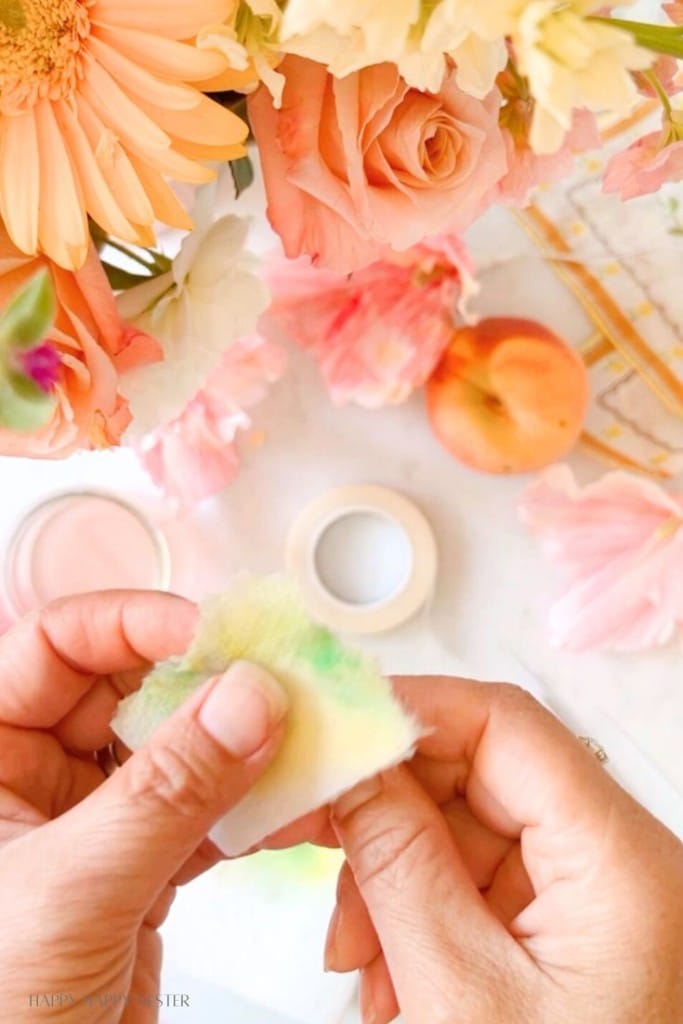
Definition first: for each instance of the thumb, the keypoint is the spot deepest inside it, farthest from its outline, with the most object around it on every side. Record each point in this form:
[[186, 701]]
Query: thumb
[[136, 830], [442, 945]]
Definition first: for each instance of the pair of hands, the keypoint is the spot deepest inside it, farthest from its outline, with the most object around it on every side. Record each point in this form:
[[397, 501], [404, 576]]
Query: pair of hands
[[500, 877]]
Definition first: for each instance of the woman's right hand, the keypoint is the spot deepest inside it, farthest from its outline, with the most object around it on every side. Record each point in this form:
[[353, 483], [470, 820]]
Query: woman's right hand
[[504, 878]]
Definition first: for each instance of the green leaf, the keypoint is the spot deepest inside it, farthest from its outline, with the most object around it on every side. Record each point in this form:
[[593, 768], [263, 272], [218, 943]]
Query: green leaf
[[235, 101], [30, 314], [242, 174], [98, 236], [666, 39], [121, 279], [23, 406]]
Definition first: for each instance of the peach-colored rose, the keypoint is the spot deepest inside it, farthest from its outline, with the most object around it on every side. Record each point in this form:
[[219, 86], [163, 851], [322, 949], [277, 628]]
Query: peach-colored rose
[[357, 164], [94, 347]]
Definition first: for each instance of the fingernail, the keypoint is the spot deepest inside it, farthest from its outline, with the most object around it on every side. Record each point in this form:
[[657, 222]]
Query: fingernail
[[356, 797], [368, 1010], [331, 940], [243, 709]]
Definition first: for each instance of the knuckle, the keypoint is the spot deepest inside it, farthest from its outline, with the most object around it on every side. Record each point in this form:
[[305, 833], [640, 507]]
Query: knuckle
[[390, 854], [514, 697], [172, 777]]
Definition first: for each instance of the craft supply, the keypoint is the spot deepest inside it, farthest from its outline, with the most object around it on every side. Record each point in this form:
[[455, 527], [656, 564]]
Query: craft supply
[[364, 558], [78, 542], [344, 723]]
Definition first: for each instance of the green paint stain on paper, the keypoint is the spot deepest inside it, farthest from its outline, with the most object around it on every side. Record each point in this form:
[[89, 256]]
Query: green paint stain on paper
[[344, 724], [324, 651]]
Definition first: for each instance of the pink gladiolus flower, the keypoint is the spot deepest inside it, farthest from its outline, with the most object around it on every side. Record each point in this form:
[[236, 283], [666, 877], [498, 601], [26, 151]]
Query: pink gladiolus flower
[[620, 543], [665, 70], [377, 334], [644, 167], [195, 456], [357, 164], [527, 169], [674, 11]]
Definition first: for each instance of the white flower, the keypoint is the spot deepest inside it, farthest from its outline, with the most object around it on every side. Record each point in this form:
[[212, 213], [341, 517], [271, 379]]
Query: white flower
[[572, 62], [211, 297], [417, 35]]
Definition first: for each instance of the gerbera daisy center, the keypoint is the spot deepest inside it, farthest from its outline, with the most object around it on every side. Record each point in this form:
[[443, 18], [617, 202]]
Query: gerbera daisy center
[[40, 44]]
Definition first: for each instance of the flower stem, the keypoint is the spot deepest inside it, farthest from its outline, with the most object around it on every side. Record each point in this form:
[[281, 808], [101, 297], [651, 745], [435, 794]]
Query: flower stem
[[652, 78]]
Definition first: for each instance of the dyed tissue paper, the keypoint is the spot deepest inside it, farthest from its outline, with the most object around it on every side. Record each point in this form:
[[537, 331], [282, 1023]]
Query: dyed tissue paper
[[344, 722]]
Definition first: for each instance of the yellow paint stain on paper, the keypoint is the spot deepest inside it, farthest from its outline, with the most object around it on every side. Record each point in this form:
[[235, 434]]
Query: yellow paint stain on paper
[[614, 431]]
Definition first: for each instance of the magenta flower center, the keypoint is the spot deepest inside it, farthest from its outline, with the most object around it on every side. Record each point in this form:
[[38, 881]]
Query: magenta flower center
[[42, 365]]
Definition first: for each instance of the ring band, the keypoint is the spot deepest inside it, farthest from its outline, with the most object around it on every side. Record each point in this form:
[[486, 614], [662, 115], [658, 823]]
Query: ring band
[[596, 749], [108, 759]]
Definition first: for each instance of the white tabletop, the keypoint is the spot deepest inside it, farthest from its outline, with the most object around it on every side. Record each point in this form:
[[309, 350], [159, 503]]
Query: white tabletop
[[486, 620]]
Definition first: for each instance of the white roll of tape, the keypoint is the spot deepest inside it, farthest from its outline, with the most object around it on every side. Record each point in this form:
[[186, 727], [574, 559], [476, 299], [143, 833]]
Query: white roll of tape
[[375, 583]]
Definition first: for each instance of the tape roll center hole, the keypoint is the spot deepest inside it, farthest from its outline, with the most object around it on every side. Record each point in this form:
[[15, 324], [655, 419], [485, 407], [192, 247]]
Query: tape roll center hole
[[363, 558]]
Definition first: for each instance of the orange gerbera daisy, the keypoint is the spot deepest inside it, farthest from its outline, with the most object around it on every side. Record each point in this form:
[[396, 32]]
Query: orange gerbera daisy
[[96, 112]]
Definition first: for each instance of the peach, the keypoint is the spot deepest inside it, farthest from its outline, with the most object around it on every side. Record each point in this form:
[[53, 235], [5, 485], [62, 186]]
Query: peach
[[509, 396]]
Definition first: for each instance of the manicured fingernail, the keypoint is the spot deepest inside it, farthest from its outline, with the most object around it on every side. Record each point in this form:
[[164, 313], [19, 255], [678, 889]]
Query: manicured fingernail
[[331, 940], [356, 797], [243, 709], [368, 1009]]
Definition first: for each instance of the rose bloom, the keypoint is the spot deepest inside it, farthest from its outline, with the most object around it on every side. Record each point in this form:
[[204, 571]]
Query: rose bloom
[[94, 345], [357, 164]]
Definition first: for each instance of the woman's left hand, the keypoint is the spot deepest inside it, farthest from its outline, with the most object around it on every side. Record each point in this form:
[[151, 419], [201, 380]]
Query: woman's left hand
[[88, 866]]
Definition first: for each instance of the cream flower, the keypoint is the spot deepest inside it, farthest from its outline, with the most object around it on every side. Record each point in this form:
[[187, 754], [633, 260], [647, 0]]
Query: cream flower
[[248, 41], [210, 297], [572, 62], [417, 35]]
